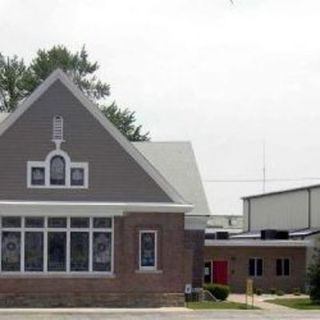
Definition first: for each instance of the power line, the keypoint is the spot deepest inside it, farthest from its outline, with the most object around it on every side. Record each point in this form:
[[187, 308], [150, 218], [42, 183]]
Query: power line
[[261, 180]]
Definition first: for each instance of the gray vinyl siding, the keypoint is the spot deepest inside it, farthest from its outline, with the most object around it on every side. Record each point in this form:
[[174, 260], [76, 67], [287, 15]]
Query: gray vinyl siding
[[113, 174]]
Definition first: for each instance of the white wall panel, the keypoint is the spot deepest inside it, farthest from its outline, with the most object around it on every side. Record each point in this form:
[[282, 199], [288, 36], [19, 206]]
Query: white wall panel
[[280, 211]]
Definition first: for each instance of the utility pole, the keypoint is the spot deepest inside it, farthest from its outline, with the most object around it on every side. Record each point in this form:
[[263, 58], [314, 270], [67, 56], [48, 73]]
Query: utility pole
[[264, 166]]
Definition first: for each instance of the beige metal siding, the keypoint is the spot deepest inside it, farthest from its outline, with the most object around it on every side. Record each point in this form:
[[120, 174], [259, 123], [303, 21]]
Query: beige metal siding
[[113, 174], [315, 208], [245, 215], [280, 211]]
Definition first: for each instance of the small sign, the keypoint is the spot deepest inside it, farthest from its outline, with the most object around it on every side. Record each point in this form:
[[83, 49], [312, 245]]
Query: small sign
[[249, 292], [249, 287], [188, 288]]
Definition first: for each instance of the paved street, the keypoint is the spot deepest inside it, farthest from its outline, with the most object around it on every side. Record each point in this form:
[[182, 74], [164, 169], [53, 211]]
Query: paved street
[[95, 314]]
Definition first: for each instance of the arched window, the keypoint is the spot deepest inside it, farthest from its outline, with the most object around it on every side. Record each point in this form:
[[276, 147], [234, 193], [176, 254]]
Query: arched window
[[57, 171]]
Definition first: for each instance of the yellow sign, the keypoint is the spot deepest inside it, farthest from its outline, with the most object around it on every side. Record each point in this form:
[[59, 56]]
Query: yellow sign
[[249, 287]]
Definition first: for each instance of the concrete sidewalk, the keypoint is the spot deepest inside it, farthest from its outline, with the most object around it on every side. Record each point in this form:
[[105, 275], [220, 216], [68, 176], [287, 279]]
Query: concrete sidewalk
[[259, 301]]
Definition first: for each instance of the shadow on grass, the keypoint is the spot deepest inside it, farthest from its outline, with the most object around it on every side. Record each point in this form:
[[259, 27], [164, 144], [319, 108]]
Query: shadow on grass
[[205, 305], [296, 303]]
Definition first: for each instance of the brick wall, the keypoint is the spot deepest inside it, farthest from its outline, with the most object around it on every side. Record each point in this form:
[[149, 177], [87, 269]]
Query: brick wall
[[238, 264], [128, 287], [195, 243]]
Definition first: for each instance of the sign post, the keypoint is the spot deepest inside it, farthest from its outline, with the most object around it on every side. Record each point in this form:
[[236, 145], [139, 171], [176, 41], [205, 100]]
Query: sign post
[[188, 291], [249, 292]]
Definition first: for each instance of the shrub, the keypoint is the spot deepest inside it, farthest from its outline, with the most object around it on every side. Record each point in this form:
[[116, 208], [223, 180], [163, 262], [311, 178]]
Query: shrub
[[296, 292], [219, 291], [313, 277], [280, 292], [273, 290], [259, 292]]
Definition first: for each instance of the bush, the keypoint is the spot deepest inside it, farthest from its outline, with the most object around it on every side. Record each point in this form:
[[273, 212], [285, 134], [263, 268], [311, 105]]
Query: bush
[[273, 290], [280, 293], [219, 291], [296, 292], [259, 292], [313, 277]]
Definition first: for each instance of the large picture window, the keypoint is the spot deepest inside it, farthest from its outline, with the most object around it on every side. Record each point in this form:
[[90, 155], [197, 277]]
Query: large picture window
[[56, 244]]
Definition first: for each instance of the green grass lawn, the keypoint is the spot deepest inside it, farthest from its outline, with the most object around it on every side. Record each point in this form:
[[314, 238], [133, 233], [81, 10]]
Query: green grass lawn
[[205, 305], [296, 303]]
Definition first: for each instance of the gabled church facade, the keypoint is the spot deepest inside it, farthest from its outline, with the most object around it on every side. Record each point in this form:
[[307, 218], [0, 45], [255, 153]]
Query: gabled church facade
[[88, 218]]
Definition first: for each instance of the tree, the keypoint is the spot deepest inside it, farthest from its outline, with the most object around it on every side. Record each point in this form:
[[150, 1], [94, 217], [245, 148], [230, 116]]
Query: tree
[[18, 81], [76, 65], [125, 120], [12, 82], [313, 276]]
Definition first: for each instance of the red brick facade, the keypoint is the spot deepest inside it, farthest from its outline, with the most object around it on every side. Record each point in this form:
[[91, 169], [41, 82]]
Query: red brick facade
[[238, 265], [128, 286]]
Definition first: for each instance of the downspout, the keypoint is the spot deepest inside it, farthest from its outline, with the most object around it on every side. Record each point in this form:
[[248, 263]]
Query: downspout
[[249, 215], [309, 208]]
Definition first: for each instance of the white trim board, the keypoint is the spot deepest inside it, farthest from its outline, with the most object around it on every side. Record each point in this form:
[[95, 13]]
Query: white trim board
[[259, 243], [39, 208], [108, 126]]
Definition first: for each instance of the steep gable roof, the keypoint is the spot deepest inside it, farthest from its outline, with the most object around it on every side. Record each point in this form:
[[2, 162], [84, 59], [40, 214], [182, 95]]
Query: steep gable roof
[[177, 163], [58, 75]]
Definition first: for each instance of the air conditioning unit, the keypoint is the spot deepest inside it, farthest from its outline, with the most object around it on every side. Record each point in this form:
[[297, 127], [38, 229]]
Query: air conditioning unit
[[222, 235], [282, 234], [268, 234]]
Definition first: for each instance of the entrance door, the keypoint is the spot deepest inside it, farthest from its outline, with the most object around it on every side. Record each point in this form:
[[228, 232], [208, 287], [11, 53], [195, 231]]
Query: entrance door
[[207, 272], [220, 272]]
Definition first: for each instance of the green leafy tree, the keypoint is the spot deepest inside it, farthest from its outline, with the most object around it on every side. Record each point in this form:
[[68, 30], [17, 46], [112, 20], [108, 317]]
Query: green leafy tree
[[313, 277], [125, 121], [12, 82], [76, 65], [18, 81]]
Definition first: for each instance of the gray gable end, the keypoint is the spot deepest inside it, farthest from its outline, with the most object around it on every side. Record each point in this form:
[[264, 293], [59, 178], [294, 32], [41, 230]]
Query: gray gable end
[[114, 175]]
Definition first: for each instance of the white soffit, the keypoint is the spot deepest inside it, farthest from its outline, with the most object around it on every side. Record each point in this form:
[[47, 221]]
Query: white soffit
[[94, 110], [86, 208], [259, 243]]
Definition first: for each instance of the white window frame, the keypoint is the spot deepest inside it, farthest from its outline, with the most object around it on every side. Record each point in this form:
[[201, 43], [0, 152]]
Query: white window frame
[[68, 165], [23, 229], [255, 267], [149, 268], [282, 266]]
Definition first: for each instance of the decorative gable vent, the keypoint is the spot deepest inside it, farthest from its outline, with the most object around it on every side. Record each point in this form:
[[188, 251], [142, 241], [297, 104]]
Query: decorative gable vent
[[57, 133]]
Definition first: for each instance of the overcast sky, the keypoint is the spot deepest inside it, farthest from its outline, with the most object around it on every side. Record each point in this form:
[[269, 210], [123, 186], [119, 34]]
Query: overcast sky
[[224, 77]]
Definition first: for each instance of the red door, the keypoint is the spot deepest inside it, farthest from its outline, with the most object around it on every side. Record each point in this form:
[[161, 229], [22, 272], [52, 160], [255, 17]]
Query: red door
[[220, 272]]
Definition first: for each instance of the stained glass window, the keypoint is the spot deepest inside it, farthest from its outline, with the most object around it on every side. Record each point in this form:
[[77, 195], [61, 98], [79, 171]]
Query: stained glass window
[[37, 176], [77, 176], [101, 251], [102, 222], [148, 249], [57, 171], [57, 222], [33, 251], [79, 222], [10, 251], [79, 251], [42, 244], [57, 251], [34, 222], [11, 222]]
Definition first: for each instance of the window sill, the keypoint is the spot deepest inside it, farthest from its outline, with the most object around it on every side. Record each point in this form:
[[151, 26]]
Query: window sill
[[82, 275], [142, 271]]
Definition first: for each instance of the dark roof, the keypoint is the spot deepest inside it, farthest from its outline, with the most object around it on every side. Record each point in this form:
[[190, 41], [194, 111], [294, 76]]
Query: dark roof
[[305, 232]]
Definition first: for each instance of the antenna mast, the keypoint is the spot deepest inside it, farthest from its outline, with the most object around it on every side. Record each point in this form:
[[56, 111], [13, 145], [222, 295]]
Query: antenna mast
[[264, 166]]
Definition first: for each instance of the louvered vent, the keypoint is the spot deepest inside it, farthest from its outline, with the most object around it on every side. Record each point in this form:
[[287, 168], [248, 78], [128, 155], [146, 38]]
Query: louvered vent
[[57, 133]]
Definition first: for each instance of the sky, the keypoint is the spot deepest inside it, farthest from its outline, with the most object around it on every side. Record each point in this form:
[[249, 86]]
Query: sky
[[225, 77]]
